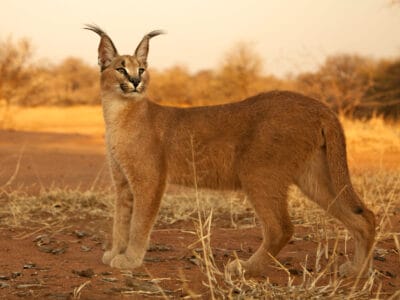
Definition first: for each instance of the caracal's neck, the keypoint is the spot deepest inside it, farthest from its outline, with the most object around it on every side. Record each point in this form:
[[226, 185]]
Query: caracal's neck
[[116, 108], [130, 115]]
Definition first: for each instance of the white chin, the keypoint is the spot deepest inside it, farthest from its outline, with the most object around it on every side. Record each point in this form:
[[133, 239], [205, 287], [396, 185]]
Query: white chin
[[132, 94]]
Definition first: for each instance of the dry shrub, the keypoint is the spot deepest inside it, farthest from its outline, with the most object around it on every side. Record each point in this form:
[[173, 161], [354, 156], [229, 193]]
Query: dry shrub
[[341, 82], [350, 84], [15, 68], [72, 82], [239, 75]]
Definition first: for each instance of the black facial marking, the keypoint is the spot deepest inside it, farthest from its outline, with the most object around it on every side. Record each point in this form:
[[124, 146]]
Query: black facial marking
[[123, 63], [124, 87], [358, 210], [123, 71], [323, 146]]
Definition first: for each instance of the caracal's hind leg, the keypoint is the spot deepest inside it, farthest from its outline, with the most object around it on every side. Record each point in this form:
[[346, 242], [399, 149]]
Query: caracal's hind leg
[[148, 188], [268, 195], [122, 214], [347, 207]]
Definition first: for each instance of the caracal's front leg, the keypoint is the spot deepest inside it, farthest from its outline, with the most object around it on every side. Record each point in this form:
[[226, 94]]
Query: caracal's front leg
[[122, 215], [148, 183]]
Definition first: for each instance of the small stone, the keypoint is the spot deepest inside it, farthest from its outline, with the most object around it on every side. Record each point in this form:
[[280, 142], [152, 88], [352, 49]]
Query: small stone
[[109, 279], [195, 261], [85, 248], [58, 251], [389, 274], [295, 272], [84, 273], [15, 274], [379, 258], [80, 233], [45, 249], [4, 277], [4, 285], [42, 239], [105, 273], [141, 285], [159, 247], [29, 265]]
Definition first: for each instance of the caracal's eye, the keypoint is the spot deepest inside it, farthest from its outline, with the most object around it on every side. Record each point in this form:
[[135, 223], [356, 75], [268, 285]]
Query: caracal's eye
[[122, 71], [140, 71]]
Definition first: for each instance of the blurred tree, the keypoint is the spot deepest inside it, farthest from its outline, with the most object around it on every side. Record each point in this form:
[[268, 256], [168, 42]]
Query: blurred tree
[[341, 82], [71, 82], [16, 71], [17, 76], [171, 86], [238, 74], [25, 83], [384, 95], [76, 83], [204, 86]]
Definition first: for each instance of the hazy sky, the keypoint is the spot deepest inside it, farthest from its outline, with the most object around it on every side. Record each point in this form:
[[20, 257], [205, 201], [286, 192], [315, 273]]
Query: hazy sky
[[290, 35]]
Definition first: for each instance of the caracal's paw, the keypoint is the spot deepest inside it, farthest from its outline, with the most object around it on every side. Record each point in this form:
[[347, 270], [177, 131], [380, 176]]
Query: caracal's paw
[[348, 269], [108, 257], [121, 261], [239, 268], [236, 268]]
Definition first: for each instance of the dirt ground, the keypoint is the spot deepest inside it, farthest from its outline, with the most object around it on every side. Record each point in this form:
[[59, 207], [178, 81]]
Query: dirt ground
[[58, 265]]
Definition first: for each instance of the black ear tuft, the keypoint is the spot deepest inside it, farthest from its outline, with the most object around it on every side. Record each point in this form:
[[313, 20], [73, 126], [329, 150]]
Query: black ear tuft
[[142, 49], [107, 50]]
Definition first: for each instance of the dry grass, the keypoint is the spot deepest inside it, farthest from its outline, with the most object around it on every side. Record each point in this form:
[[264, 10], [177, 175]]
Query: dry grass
[[374, 134], [380, 190], [52, 210], [373, 144]]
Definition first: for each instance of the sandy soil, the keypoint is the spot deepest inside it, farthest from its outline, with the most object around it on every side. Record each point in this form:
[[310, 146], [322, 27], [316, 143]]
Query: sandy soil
[[46, 160], [53, 265]]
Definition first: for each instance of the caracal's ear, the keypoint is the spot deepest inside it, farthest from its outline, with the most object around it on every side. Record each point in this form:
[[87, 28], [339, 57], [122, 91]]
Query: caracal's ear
[[143, 48], [107, 50]]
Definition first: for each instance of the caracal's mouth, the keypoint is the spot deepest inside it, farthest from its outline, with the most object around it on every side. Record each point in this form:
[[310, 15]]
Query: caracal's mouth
[[128, 90]]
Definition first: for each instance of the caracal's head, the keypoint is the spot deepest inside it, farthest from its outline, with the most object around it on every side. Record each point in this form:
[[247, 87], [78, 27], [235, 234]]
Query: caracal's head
[[123, 75]]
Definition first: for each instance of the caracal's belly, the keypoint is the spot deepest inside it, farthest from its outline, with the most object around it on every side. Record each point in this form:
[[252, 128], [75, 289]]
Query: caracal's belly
[[207, 166]]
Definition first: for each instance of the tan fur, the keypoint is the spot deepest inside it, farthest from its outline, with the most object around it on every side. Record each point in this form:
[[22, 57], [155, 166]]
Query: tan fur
[[261, 145]]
